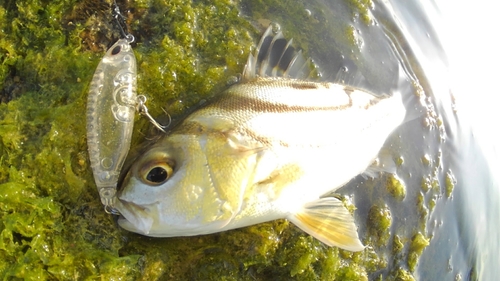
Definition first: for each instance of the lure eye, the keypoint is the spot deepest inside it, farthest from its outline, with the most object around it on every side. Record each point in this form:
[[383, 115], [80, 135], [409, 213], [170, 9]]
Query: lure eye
[[157, 173], [116, 50]]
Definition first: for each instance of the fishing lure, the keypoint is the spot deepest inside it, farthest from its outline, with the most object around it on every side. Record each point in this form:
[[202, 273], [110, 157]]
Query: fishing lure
[[111, 106], [110, 114]]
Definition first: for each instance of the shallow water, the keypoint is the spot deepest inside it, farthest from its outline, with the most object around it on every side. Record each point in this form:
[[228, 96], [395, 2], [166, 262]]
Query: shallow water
[[466, 238], [52, 223]]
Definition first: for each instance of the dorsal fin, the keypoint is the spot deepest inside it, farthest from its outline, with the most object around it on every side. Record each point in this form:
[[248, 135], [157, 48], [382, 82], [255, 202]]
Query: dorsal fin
[[276, 57]]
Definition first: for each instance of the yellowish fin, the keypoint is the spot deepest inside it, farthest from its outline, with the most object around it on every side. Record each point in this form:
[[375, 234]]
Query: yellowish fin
[[327, 220]]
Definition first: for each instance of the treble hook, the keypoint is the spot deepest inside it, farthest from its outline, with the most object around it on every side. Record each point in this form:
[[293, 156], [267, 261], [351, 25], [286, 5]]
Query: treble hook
[[143, 110]]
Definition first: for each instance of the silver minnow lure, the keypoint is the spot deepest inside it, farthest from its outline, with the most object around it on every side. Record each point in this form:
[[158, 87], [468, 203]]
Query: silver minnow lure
[[111, 108]]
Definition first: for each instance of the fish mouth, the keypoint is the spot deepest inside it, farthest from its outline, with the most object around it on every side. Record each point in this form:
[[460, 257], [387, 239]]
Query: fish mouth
[[134, 218]]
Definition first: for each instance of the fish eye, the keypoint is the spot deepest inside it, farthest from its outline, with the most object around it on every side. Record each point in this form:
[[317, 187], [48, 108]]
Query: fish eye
[[116, 50], [156, 173]]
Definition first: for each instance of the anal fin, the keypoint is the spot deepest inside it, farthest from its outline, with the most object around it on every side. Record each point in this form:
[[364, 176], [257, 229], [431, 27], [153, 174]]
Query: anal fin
[[327, 220]]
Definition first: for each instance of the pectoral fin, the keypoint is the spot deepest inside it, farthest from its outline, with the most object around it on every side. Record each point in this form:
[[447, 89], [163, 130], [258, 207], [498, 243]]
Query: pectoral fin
[[328, 220]]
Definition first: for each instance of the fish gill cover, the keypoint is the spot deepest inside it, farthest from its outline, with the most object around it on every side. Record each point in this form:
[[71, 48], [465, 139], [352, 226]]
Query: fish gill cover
[[52, 225]]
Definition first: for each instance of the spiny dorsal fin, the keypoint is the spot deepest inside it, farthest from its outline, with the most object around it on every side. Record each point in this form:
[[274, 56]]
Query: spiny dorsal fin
[[276, 57], [327, 220]]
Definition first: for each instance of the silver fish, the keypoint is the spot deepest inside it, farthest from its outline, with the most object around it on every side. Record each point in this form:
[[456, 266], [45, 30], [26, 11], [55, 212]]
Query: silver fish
[[269, 147]]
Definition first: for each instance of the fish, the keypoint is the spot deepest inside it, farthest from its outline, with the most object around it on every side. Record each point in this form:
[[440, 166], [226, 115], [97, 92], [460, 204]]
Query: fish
[[275, 145]]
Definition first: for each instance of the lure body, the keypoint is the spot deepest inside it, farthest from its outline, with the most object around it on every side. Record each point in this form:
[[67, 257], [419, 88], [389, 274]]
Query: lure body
[[110, 114]]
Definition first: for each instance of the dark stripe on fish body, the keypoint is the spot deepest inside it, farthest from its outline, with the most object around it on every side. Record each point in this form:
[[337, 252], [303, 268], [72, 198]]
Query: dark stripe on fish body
[[241, 103], [229, 101], [304, 86], [235, 103]]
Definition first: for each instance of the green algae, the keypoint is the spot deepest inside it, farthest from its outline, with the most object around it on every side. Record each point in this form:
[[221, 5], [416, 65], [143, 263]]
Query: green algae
[[418, 243], [431, 182], [379, 225], [52, 223], [400, 161], [397, 244], [431, 188], [401, 275], [450, 183], [426, 160], [395, 187], [432, 203], [354, 39], [361, 9], [423, 211]]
